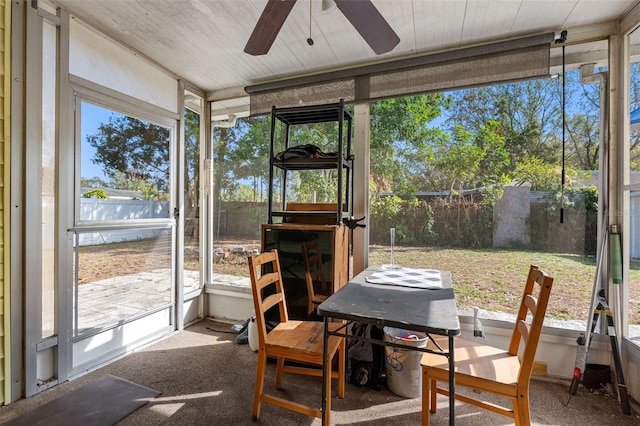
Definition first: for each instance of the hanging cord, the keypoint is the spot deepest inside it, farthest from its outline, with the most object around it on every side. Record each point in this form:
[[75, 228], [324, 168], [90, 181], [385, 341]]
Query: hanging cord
[[564, 127], [563, 39], [310, 40]]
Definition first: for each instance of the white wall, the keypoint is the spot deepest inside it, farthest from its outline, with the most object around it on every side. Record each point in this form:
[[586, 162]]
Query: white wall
[[96, 58]]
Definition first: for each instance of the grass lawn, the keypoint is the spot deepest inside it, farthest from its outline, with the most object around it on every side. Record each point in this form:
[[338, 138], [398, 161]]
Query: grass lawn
[[491, 279]]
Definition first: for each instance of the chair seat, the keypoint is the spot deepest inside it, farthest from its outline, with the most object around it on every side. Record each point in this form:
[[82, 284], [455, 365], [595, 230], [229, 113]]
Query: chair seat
[[478, 365], [319, 298], [303, 337]]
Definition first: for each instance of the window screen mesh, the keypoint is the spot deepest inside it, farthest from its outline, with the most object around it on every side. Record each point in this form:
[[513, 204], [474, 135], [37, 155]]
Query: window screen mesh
[[316, 94], [513, 65], [511, 60]]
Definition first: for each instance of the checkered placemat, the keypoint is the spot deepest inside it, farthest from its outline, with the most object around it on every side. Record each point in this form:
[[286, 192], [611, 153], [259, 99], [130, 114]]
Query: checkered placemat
[[407, 277]]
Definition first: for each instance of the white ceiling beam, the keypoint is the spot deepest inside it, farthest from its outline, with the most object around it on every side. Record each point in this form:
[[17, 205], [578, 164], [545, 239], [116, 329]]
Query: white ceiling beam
[[225, 94], [574, 61], [630, 20], [590, 33]]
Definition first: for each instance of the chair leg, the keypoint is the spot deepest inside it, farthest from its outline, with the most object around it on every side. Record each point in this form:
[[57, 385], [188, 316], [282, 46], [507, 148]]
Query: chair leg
[[342, 365], [327, 397], [434, 395], [425, 398], [279, 369], [259, 389], [521, 409]]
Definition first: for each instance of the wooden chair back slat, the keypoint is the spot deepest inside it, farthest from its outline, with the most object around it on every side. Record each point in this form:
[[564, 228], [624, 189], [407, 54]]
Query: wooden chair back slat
[[261, 282], [531, 302], [534, 300], [524, 329], [313, 270], [267, 279], [270, 301]]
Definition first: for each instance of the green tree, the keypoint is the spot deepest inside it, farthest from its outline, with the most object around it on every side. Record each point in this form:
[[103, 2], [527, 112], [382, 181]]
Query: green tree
[[191, 187], [240, 164], [537, 174], [94, 182], [148, 191], [634, 139], [583, 142], [473, 160], [135, 149], [523, 113], [528, 115], [96, 193], [244, 156], [402, 141]]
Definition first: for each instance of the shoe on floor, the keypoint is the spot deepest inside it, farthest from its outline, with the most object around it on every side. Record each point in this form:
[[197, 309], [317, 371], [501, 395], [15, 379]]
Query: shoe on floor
[[239, 328], [243, 338], [361, 376]]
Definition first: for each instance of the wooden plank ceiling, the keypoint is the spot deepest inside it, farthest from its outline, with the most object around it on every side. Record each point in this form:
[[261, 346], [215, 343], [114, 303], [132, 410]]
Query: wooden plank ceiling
[[202, 40]]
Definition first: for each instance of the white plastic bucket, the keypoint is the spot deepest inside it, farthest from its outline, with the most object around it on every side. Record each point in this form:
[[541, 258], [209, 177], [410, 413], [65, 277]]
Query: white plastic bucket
[[403, 365], [253, 334]]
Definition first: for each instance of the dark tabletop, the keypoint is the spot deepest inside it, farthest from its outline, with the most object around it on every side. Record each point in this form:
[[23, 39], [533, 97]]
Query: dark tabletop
[[425, 310]]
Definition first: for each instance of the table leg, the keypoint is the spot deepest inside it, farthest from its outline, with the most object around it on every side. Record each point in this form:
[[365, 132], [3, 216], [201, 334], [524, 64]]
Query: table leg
[[452, 384], [325, 370]]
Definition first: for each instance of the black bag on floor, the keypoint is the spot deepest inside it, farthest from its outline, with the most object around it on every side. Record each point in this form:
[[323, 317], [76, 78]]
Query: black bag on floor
[[365, 359]]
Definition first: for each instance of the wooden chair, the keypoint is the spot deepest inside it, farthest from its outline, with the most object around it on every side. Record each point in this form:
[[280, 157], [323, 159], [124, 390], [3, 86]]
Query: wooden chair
[[298, 341], [485, 368], [313, 271]]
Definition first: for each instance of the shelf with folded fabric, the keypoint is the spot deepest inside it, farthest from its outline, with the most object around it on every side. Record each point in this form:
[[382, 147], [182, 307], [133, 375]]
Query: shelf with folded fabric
[[297, 164]]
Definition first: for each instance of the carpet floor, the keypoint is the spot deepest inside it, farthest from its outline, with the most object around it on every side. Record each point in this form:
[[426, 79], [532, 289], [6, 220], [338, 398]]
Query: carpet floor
[[206, 378]]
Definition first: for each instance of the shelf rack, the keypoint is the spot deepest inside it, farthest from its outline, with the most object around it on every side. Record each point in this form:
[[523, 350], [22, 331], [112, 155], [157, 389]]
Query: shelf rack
[[343, 162]]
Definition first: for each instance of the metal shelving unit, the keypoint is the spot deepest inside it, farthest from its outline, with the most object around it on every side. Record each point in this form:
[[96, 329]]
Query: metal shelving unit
[[343, 162]]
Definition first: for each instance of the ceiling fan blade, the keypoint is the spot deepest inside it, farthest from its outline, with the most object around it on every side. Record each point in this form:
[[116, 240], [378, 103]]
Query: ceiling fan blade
[[371, 25], [268, 26]]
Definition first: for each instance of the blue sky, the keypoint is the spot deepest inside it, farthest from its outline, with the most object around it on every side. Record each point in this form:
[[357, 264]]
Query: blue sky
[[91, 118]]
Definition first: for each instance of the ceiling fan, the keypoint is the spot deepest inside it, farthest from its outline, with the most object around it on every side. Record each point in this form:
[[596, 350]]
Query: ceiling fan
[[362, 14]]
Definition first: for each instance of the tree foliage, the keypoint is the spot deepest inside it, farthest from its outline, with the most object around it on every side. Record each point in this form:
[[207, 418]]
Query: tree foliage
[[241, 156], [402, 141], [191, 188], [634, 102], [94, 182], [479, 138], [473, 139], [132, 150], [96, 193]]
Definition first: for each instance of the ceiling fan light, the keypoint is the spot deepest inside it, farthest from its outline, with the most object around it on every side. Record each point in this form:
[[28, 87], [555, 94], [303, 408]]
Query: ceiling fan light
[[328, 6]]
